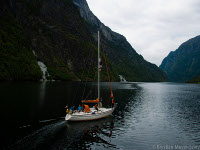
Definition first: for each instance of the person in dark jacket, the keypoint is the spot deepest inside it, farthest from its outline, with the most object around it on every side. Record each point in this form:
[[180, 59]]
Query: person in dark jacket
[[96, 107], [72, 108]]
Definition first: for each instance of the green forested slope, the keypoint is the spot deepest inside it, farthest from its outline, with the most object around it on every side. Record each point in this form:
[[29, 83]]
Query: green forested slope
[[184, 63], [17, 61]]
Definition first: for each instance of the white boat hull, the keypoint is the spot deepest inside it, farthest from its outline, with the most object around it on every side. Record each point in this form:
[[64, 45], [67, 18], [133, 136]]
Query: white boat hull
[[81, 116]]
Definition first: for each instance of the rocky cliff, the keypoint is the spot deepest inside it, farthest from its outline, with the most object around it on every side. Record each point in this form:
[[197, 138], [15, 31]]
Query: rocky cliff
[[184, 63], [126, 61], [17, 61], [58, 35]]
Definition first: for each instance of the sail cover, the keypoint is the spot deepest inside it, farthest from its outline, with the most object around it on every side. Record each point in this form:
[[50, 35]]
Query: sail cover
[[90, 101]]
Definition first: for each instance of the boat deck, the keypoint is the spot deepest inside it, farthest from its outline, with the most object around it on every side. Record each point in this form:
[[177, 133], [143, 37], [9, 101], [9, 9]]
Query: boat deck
[[93, 111]]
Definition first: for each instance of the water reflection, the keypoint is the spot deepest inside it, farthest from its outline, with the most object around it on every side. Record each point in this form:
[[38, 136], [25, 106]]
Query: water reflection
[[92, 133], [42, 93], [147, 114], [63, 135]]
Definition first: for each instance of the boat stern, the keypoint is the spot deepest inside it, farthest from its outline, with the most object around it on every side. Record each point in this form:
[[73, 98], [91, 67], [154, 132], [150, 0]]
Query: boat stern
[[67, 117]]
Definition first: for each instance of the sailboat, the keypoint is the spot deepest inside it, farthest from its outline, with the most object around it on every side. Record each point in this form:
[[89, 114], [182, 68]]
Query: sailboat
[[94, 113]]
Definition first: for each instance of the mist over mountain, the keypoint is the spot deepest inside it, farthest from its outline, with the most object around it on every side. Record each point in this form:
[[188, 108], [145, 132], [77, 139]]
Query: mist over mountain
[[62, 34], [183, 64]]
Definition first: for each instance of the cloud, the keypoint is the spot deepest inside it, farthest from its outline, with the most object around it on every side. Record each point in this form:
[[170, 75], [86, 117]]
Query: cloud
[[152, 27]]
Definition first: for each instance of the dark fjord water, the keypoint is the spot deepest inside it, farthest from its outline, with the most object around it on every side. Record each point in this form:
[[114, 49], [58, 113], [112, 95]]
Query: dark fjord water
[[148, 116]]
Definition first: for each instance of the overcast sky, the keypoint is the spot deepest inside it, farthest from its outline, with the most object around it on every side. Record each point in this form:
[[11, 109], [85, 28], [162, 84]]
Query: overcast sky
[[152, 27]]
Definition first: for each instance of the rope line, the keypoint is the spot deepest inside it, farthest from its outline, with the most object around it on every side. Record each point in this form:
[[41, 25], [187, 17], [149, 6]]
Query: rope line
[[106, 67]]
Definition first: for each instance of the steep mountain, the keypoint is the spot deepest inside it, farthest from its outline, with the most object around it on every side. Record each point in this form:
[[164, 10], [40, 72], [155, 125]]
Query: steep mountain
[[58, 34], [184, 63], [17, 61], [55, 32], [126, 61]]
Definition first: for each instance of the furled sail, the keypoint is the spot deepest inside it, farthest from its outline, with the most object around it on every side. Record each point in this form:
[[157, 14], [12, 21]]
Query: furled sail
[[90, 101]]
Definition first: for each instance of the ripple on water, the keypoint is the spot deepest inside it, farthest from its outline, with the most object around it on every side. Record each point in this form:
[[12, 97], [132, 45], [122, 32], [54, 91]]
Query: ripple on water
[[147, 114]]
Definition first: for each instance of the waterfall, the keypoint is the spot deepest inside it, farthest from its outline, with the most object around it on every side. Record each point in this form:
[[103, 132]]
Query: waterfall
[[122, 79], [43, 68]]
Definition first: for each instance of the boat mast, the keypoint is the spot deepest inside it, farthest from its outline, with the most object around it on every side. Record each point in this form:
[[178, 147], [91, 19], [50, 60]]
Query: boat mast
[[99, 66]]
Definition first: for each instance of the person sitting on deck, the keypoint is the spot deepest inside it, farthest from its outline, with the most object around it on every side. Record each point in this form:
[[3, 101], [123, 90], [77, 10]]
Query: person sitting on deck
[[87, 109], [79, 108], [70, 111], [96, 107], [67, 110], [72, 108]]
